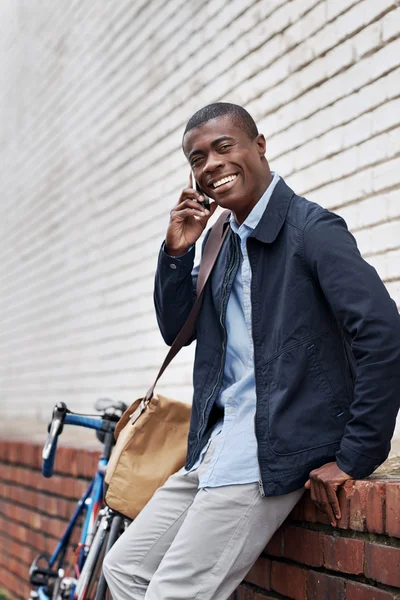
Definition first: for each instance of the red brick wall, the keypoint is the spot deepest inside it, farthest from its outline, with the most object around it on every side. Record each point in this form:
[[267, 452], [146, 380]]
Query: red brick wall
[[33, 510], [306, 559]]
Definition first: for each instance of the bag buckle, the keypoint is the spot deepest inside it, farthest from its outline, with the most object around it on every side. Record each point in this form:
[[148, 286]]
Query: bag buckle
[[136, 413]]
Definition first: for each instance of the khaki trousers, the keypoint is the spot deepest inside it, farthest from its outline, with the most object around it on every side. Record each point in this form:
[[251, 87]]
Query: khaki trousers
[[191, 544]]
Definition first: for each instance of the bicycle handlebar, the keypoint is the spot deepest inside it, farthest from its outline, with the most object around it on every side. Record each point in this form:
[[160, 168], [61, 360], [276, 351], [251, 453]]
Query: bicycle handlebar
[[89, 422], [61, 417], [48, 455], [55, 428]]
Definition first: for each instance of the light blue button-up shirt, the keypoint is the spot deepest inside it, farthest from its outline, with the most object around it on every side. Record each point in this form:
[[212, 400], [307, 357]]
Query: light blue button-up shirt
[[234, 460]]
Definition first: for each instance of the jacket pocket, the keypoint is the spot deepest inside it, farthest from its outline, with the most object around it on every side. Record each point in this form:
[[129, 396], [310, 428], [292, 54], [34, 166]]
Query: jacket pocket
[[303, 410], [336, 408]]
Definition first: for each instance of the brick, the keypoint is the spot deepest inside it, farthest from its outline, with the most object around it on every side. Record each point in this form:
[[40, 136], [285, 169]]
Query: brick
[[344, 503], [382, 563], [381, 237], [260, 573], [393, 509], [15, 452], [321, 517], [358, 506], [309, 508], [274, 546], [343, 554], [320, 585], [297, 513], [288, 580], [376, 507], [244, 593], [358, 591], [303, 546]]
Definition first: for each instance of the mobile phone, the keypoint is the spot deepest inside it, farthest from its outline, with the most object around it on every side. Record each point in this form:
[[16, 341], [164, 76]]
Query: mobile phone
[[206, 202]]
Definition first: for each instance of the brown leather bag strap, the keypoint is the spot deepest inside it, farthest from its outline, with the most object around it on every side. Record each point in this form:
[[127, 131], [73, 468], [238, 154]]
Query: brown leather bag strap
[[211, 251]]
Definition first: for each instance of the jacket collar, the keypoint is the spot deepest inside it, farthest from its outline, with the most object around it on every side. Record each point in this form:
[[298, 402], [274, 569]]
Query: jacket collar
[[274, 215]]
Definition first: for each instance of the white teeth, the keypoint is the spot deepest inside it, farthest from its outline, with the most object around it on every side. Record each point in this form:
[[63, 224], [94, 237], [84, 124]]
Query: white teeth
[[224, 180]]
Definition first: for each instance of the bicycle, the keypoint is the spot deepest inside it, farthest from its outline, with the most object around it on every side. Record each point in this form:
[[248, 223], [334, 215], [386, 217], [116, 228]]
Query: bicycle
[[55, 577]]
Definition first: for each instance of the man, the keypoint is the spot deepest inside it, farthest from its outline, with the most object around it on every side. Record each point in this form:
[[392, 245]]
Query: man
[[296, 374]]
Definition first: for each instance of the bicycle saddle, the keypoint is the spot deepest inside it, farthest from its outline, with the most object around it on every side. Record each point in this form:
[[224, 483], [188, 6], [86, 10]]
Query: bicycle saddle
[[104, 404]]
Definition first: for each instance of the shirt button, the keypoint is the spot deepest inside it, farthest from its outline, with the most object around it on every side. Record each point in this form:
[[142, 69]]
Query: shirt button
[[173, 266], [230, 410]]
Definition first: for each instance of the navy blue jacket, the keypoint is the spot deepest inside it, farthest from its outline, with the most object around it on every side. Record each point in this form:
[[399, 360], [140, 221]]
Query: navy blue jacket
[[326, 343]]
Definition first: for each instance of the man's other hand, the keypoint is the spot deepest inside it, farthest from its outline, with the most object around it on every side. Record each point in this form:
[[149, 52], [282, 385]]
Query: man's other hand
[[323, 484]]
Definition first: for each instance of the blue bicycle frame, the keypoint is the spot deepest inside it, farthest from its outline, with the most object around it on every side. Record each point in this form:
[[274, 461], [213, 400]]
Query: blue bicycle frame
[[90, 501]]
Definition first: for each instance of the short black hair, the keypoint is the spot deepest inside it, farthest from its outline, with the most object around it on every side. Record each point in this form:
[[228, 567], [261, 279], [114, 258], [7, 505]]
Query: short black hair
[[219, 109]]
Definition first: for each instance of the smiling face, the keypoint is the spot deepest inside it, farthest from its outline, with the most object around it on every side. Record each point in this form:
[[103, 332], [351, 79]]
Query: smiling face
[[228, 166]]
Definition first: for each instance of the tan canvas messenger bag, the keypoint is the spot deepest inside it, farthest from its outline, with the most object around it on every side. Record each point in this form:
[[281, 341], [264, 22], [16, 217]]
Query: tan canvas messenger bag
[[151, 436]]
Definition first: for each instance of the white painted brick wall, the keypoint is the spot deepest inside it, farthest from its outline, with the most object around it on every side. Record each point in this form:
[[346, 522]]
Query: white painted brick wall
[[94, 98]]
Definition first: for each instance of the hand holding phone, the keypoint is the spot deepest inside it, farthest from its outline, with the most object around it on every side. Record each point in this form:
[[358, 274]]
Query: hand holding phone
[[188, 219]]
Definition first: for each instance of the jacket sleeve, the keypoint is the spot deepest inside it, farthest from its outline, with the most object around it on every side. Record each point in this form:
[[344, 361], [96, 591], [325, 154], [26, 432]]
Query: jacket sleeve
[[175, 291], [363, 307]]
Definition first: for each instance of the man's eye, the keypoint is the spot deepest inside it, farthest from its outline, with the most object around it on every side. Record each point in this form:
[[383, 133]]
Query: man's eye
[[225, 146]]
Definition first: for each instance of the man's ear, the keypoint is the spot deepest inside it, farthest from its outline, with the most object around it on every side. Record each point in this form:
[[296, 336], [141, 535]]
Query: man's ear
[[261, 144]]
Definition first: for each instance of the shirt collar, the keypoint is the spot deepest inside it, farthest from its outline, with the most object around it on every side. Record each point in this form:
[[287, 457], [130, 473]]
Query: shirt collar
[[257, 212]]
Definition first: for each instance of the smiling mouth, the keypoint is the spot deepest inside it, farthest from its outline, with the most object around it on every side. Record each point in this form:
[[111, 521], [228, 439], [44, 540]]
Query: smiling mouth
[[224, 182]]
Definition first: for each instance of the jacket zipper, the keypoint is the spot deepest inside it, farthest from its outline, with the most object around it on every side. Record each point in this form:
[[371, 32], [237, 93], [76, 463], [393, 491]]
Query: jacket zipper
[[222, 321], [260, 483]]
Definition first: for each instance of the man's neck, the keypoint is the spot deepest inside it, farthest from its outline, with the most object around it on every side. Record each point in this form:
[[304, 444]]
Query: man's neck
[[241, 215]]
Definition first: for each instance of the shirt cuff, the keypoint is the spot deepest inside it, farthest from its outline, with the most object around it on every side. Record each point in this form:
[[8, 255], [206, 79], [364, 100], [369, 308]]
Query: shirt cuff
[[176, 257], [175, 268]]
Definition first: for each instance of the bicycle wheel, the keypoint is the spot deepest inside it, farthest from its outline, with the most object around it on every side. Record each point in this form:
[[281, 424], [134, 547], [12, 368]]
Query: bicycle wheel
[[86, 578], [91, 575], [114, 533], [94, 591], [57, 586]]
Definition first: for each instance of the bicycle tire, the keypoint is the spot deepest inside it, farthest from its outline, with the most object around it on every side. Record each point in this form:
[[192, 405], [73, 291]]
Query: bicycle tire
[[56, 589], [115, 531], [96, 575], [86, 578]]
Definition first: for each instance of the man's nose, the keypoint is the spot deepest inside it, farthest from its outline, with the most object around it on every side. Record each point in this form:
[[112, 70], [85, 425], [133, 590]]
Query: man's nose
[[213, 162]]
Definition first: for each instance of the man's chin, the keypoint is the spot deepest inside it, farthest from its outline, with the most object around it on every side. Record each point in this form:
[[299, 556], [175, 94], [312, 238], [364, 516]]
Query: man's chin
[[229, 202]]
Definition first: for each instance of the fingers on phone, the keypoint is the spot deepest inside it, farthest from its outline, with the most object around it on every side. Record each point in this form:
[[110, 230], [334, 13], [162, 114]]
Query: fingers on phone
[[190, 195], [187, 213]]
